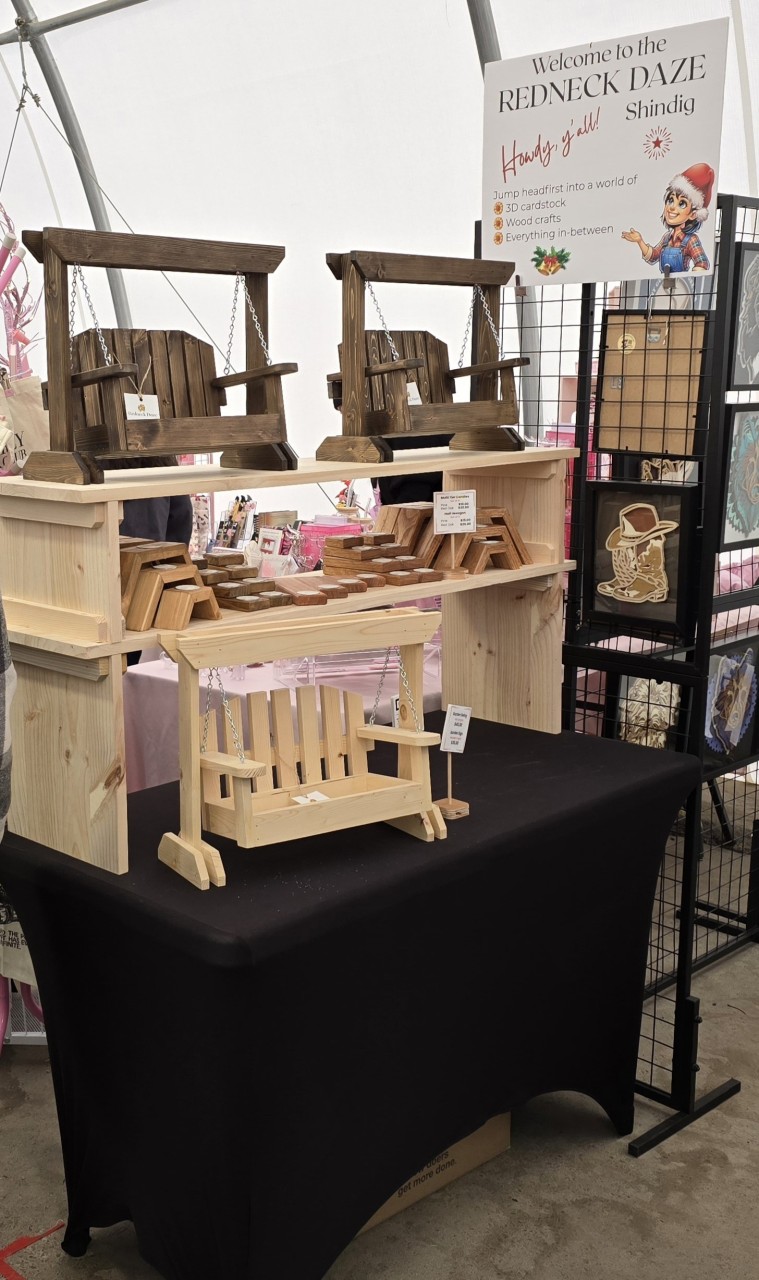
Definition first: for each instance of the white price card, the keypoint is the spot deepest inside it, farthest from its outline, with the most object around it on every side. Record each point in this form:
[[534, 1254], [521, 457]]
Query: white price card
[[456, 728], [395, 704], [413, 394], [455, 512], [137, 407]]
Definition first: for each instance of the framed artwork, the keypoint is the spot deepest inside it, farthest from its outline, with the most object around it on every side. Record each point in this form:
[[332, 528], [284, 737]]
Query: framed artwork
[[745, 371], [740, 516], [639, 540], [651, 395], [730, 725]]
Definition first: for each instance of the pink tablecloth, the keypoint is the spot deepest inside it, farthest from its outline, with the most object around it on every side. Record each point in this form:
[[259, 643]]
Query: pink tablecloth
[[151, 720]]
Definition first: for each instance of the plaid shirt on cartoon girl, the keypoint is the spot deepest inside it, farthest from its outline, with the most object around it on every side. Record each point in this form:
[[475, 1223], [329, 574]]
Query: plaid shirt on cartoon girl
[[686, 202]]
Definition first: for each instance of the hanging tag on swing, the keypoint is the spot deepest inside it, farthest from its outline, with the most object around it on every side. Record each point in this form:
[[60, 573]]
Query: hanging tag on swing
[[137, 407], [395, 707], [413, 394]]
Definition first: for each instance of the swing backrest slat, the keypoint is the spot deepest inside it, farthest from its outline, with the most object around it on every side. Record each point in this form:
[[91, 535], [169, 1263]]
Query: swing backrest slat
[[175, 366], [432, 379]]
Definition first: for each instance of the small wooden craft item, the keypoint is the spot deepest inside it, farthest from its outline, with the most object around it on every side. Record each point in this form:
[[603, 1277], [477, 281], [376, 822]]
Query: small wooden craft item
[[278, 599], [152, 580], [249, 604], [225, 590], [91, 373], [402, 578], [237, 571], [299, 593], [285, 786], [212, 577], [132, 558], [180, 604], [221, 558], [379, 366], [257, 586], [502, 516], [371, 580]]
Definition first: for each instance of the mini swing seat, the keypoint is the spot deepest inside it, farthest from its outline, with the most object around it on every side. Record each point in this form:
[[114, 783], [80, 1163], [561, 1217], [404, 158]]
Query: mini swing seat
[[372, 387], [289, 785], [85, 393]]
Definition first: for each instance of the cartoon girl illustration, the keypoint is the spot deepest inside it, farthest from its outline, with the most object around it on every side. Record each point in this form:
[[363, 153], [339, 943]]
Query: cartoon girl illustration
[[686, 206]]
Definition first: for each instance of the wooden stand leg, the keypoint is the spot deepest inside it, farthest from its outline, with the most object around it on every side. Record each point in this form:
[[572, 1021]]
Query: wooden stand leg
[[354, 449], [450, 808], [63, 468], [260, 457]]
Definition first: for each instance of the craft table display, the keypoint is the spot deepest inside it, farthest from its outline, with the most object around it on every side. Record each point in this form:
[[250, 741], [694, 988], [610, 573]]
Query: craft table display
[[59, 575], [283, 1054], [151, 723]]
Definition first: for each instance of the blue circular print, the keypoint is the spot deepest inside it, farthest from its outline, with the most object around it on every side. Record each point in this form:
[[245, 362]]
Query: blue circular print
[[743, 482], [733, 671]]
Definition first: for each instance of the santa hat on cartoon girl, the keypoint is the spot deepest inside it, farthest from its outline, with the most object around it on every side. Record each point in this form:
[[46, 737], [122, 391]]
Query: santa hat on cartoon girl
[[696, 184]]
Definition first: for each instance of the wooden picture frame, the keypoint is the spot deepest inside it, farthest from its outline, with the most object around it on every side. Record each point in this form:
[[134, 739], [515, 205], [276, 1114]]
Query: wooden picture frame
[[745, 336], [740, 499], [651, 387], [637, 564], [730, 726]]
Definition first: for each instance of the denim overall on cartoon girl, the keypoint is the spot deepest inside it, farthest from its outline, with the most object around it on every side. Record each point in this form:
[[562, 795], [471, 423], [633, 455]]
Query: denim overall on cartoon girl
[[686, 207], [673, 256]]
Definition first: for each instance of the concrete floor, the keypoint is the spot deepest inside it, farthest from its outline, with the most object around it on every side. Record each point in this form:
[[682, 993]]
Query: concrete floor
[[566, 1203]]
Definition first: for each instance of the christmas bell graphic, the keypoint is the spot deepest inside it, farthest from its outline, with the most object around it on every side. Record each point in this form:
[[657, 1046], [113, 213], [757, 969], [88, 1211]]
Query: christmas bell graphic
[[637, 556]]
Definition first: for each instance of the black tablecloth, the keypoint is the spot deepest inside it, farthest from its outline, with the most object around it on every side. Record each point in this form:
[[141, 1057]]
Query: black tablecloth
[[248, 1073]]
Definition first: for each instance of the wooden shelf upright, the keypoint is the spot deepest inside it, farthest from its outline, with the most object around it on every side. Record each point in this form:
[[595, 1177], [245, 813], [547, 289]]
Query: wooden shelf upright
[[59, 575]]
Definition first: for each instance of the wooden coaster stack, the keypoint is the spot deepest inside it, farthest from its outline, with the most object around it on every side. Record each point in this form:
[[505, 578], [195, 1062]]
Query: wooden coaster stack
[[496, 542]]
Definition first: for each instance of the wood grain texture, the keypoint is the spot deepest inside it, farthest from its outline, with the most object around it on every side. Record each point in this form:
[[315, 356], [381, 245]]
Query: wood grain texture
[[353, 358], [154, 253], [412, 268]]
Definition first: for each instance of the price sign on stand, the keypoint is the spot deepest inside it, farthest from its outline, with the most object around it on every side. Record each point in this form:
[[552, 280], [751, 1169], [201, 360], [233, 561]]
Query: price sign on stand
[[455, 512], [454, 737]]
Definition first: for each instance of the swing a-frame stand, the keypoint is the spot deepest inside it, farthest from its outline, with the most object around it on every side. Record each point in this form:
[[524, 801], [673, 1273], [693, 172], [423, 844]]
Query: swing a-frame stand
[[282, 788], [372, 388], [89, 373]]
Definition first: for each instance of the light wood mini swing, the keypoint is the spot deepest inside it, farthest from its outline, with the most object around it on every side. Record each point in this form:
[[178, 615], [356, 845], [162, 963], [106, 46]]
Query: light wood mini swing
[[252, 796]]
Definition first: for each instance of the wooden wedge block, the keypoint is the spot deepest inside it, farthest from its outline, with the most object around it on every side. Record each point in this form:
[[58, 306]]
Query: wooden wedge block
[[175, 609], [205, 605], [220, 557], [452, 551], [429, 575], [372, 580], [133, 557], [339, 542], [211, 577], [412, 518], [477, 558], [385, 519], [502, 515], [249, 604], [237, 571], [145, 600], [402, 578], [225, 590], [377, 539]]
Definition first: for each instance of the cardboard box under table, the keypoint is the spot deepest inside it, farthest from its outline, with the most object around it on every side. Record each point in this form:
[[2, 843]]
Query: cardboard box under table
[[249, 1074]]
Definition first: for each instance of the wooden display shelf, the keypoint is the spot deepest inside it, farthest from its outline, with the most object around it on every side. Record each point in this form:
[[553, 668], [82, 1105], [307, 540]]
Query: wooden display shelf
[[59, 575], [164, 482]]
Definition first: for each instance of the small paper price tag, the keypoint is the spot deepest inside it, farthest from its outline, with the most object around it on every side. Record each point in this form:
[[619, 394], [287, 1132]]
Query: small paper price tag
[[455, 512], [455, 729], [141, 407], [412, 393], [395, 705]]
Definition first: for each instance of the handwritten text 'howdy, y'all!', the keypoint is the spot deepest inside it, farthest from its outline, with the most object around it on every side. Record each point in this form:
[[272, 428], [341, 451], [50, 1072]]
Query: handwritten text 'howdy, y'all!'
[[544, 150]]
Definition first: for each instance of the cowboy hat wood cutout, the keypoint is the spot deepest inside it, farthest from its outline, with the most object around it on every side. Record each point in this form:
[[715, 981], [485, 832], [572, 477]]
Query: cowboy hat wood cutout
[[637, 552]]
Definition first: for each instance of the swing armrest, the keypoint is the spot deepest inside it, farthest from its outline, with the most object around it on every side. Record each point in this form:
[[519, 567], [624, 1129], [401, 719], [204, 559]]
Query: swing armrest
[[403, 737], [89, 376], [492, 366], [253, 375], [373, 370], [218, 762]]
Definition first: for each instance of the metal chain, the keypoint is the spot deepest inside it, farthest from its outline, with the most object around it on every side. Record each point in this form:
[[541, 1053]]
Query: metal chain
[[72, 311], [214, 671], [380, 687], [256, 320], [404, 681], [477, 293], [232, 321], [393, 349], [77, 270]]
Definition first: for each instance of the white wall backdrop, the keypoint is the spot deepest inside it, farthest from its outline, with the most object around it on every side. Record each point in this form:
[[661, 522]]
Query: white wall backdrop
[[319, 126]]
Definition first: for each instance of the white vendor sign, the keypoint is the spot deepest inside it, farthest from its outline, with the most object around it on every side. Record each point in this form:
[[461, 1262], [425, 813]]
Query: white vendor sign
[[601, 161]]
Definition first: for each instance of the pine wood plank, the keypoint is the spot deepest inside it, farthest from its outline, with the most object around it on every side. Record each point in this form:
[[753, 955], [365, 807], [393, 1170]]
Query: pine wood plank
[[358, 758], [332, 732], [260, 738], [308, 734], [283, 738]]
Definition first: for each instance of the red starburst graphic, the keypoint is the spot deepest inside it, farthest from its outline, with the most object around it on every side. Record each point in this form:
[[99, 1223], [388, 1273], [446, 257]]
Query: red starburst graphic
[[658, 142]]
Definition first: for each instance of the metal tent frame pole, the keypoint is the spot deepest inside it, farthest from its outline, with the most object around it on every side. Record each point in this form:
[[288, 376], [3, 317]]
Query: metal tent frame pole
[[30, 29], [489, 50]]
